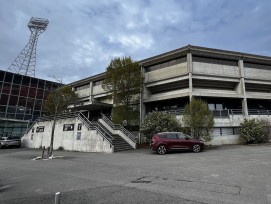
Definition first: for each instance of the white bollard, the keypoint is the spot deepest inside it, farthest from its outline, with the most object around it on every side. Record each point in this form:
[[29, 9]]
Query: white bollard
[[57, 198]]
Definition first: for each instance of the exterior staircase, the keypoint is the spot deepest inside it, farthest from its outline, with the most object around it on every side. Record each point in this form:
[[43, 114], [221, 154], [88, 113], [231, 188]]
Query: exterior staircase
[[117, 141], [120, 144]]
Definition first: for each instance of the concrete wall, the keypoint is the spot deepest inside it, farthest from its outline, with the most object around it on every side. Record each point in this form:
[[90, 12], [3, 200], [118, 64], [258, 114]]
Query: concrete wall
[[90, 140], [167, 95], [253, 73], [118, 132], [165, 73], [98, 89], [83, 93], [215, 69]]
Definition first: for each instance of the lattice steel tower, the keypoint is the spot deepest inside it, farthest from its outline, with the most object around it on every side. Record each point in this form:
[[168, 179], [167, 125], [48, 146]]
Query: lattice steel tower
[[25, 62]]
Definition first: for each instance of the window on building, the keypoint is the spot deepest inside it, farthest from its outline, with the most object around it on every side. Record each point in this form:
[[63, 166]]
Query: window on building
[[68, 127]]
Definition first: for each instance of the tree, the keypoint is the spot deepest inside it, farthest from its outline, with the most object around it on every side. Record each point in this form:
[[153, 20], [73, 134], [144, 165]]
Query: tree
[[57, 103], [124, 80], [252, 131], [199, 119], [158, 121]]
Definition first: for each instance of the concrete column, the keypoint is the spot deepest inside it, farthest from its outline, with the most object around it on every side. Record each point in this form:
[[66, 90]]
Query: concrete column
[[143, 92], [243, 88], [142, 105], [190, 71], [91, 91]]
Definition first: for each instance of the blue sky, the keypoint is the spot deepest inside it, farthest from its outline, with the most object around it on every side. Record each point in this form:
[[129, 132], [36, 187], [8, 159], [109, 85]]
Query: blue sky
[[84, 35]]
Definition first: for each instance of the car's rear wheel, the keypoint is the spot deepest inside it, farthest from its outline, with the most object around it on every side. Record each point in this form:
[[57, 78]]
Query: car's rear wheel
[[196, 148], [19, 145], [162, 149]]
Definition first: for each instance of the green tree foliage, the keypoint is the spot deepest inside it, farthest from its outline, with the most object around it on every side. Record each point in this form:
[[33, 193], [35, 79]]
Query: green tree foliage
[[157, 121], [252, 132], [198, 119], [124, 80], [57, 103]]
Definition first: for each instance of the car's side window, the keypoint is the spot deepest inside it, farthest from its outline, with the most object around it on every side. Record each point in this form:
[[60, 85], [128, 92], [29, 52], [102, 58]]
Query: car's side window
[[181, 136], [172, 136], [162, 136]]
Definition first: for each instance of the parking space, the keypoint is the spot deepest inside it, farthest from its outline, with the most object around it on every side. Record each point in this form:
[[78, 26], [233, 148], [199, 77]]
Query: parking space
[[226, 174]]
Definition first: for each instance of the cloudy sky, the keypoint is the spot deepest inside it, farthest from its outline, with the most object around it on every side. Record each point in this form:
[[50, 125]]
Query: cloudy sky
[[84, 35]]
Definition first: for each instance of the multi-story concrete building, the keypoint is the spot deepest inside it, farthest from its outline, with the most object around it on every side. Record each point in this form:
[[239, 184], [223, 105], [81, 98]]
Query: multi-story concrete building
[[235, 85]]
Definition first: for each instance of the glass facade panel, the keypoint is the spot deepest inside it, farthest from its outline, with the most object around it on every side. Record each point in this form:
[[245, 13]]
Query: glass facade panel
[[2, 75], [34, 82], [4, 99], [26, 81], [22, 101], [17, 79], [6, 88], [38, 105], [41, 84], [13, 100], [2, 108], [28, 117], [15, 89], [48, 85], [24, 91], [18, 101], [20, 116], [32, 92], [39, 94], [8, 77], [37, 113]]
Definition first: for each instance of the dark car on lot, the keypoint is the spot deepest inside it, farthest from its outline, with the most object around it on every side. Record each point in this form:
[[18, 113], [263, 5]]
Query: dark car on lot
[[171, 141], [10, 141]]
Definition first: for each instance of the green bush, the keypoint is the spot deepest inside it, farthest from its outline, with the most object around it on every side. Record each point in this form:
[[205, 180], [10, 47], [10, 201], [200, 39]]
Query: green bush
[[157, 121], [252, 132], [198, 120]]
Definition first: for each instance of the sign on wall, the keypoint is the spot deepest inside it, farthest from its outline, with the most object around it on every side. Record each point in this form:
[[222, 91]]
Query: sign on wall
[[68, 127], [40, 129], [78, 136], [79, 127]]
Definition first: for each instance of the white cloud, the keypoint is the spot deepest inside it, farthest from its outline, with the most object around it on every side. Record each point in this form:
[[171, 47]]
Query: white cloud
[[133, 41], [83, 36]]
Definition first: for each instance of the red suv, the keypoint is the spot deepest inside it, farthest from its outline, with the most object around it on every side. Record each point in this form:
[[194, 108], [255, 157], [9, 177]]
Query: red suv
[[169, 141]]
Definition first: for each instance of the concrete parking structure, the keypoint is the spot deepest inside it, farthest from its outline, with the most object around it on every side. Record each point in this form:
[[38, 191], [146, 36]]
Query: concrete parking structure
[[226, 174]]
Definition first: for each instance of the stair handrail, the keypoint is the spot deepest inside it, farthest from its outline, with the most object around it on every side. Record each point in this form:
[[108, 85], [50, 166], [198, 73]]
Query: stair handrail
[[97, 127], [119, 127]]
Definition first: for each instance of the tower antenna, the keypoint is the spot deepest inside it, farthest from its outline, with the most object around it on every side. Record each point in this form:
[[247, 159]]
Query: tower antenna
[[25, 62]]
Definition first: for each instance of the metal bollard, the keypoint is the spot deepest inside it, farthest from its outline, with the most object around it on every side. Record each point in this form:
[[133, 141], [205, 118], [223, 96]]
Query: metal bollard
[[57, 198], [48, 152], [43, 149]]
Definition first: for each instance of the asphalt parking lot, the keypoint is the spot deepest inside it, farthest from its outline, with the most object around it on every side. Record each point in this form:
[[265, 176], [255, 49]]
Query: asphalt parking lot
[[226, 174]]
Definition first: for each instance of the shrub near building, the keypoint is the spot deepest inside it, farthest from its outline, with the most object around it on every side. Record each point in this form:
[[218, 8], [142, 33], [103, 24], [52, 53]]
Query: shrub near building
[[252, 132], [157, 121]]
